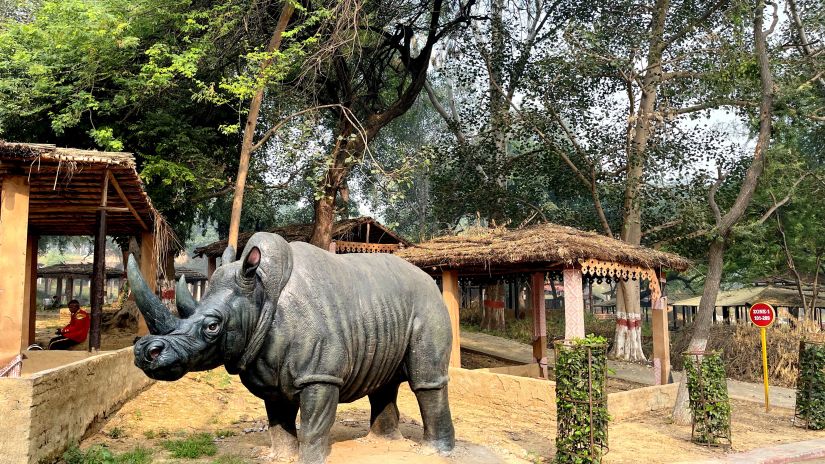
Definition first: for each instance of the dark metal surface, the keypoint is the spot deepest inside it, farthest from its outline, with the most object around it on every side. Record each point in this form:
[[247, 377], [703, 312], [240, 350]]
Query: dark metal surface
[[306, 329]]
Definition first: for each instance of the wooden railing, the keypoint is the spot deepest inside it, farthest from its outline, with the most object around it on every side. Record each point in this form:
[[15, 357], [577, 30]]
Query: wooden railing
[[361, 247]]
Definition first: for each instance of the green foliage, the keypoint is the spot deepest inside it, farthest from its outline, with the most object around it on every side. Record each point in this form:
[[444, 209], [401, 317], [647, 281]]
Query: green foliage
[[581, 400], [708, 398], [810, 385], [192, 447], [99, 454], [116, 432]]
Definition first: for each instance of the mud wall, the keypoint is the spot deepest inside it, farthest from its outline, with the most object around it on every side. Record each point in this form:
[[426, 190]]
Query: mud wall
[[46, 412]]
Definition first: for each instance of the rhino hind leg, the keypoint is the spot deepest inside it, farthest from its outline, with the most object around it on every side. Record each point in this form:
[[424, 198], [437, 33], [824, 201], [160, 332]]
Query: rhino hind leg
[[438, 423], [282, 430], [384, 413]]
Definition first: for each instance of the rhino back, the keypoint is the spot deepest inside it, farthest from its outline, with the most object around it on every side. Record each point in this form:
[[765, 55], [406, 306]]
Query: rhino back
[[347, 319]]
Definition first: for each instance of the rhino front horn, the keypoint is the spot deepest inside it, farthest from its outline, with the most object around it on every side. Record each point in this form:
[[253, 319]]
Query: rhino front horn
[[158, 318], [184, 300]]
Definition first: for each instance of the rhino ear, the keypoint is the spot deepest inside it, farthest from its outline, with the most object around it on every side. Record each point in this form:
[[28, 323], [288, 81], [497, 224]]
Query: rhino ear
[[228, 255], [251, 263]]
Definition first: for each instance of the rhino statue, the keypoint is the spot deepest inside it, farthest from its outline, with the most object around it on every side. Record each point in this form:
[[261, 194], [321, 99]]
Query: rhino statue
[[307, 329]]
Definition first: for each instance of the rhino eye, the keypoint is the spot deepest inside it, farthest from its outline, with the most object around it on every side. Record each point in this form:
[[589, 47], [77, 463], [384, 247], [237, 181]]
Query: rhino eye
[[213, 327]]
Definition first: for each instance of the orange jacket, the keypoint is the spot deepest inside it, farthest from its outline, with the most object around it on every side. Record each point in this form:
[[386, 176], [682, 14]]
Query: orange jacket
[[78, 328]]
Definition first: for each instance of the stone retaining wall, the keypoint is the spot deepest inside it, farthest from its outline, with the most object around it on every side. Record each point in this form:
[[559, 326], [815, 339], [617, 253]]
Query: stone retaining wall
[[44, 413], [512, 392]]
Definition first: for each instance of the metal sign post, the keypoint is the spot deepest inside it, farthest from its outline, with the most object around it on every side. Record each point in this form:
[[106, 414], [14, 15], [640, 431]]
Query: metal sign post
[[763, 315]]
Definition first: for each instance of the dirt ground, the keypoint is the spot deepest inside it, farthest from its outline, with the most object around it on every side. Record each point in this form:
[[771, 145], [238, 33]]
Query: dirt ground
[[217, 403]]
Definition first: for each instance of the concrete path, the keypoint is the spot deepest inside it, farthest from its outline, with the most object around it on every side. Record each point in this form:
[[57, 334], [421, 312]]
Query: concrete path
[[802, 452], [511, 350]]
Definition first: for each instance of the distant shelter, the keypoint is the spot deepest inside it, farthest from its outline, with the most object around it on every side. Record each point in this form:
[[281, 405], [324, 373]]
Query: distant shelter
[[356, 235], [542, 251], [48, 190]]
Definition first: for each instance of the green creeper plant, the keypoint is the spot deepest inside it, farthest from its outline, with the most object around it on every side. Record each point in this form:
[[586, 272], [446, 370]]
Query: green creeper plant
[[708, 398], [810, 386], [581, 400]]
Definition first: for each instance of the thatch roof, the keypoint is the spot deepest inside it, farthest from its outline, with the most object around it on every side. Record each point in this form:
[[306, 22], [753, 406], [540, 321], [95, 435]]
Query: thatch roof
[[351, 230], [542, 245], [66, 189], [75, 271], [747, 296], [191, 274]]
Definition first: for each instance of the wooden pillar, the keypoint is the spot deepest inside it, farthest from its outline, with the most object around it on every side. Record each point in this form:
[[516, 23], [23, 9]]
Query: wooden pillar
[[198, 288], [573, 304], [449, 283], [212, 264], [69, 289], [539, 322], [59, 291], [97, 293], [14, 222], [661, 337], [149, 269], [30, 307]]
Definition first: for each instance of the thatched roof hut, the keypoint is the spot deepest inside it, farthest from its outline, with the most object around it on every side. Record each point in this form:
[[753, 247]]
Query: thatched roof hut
[[356, 235], [75, 271], [539, 246]]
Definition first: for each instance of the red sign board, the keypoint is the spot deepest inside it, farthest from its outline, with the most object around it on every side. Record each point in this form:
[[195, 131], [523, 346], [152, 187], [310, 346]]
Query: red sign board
[[762, 314]]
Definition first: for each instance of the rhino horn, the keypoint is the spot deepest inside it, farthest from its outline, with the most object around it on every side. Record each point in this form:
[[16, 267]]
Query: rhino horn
[[228, 255], [158, 318], [183, 299]]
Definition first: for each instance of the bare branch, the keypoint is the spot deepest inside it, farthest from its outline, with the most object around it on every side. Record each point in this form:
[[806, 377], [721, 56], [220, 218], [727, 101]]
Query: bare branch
[[778, 204], [452, 122]]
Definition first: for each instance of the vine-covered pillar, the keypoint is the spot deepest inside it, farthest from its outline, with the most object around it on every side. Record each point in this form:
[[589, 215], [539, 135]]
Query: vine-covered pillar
[[573, 304], [449, 284], [14, 223], [539, 322], [661, 336]]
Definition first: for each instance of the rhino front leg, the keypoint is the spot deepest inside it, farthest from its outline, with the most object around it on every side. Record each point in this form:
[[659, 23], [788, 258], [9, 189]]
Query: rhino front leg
[[282, 430], [319, 403], [435, 413]]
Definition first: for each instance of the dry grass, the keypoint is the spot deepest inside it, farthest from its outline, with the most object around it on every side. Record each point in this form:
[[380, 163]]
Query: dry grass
[[741, 349], [541, 243]]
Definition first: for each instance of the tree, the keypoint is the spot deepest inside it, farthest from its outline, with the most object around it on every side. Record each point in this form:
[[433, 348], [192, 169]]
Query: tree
[[725, 222]]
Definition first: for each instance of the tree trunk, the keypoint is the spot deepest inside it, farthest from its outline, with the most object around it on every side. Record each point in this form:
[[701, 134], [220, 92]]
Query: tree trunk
[[627, 345], [703, 321], [324, 219], [251, 124], [724, 224], [493, 318]]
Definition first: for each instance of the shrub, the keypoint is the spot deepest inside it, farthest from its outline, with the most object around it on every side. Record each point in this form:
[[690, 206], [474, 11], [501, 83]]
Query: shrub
[[810, 386], [708, 398], [191, 447], [99, 454], [581, 400]]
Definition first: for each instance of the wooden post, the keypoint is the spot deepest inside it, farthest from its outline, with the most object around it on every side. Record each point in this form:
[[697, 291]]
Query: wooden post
[[14, 222], [211, 265], [69, 289], [539, 322], [449, 283], [661, 337], [573, 304], [97, 293], [59, 291], [30, 307], [149, 269], [80, 288], [198, 287]]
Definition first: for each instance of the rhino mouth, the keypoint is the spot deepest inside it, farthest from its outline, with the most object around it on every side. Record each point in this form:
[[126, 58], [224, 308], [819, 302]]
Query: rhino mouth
[[160, 358]]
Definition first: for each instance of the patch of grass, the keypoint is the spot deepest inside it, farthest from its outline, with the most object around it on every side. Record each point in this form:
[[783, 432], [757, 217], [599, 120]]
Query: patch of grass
[[138, 455], [229, 459], [192, 447], [159, 433], [217, 378], [116, 432], [99, 454], [225, 433]]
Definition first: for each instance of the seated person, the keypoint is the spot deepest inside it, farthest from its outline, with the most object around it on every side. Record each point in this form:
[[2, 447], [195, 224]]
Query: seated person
[[74, 333], [55, 302]]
